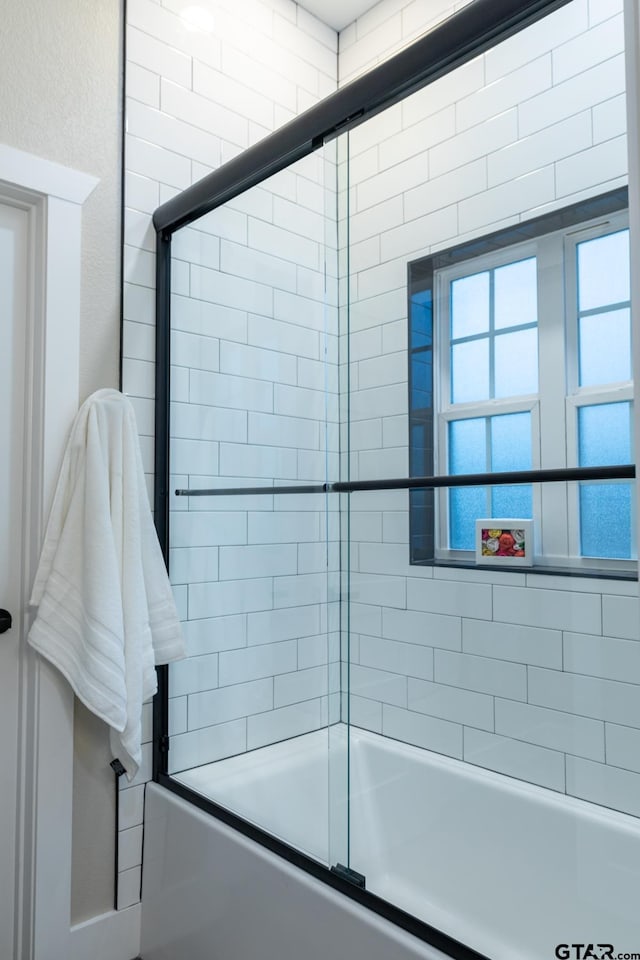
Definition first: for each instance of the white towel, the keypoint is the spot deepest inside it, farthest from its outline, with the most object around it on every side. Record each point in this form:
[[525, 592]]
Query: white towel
[[106, 612]]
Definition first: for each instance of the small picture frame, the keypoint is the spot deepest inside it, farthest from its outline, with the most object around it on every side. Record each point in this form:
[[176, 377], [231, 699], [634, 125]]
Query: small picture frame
[[504, 542]]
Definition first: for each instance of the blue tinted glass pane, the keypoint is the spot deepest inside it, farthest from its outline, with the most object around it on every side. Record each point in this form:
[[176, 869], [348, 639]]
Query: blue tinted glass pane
[[467, 446], [470, 371], [605, 520], [603, 270], [421, 451], [512, 501], [604, 434], [422, 297], [421, 512], [466, 505], [605, 348], [516, 363], [511, 442], [421, 380], [470, 305], [421, 320], [419, 498], [516, 294]]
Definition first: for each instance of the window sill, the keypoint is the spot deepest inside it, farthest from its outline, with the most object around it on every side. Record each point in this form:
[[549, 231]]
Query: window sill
[[592, 574]]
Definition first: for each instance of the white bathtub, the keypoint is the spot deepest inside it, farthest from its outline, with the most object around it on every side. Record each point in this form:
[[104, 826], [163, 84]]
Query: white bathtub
[[507, 868]]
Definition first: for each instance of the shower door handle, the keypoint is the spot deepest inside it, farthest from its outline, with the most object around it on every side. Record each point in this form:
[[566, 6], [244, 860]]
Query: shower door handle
[[5, 621]]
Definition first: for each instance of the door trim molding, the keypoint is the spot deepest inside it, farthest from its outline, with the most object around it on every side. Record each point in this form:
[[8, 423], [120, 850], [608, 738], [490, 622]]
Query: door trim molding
[[44, 177], [53, 194]]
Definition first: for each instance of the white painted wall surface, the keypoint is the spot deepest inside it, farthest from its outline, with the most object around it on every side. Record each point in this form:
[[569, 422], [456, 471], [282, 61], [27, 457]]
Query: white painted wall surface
[[60, 75]]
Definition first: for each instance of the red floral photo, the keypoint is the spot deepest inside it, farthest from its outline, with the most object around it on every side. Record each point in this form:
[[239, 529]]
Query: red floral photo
[[508, 541]]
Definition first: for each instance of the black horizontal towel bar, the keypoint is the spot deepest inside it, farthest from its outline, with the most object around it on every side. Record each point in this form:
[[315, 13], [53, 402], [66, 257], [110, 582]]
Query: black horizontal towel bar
[[625, 471]]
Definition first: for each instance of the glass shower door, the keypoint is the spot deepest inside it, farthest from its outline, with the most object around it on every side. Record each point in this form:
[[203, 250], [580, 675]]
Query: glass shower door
[[254, 710], [493, 697]]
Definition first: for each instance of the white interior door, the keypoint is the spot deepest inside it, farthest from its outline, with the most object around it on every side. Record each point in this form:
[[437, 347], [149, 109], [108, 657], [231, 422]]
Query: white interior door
[[14, 292]]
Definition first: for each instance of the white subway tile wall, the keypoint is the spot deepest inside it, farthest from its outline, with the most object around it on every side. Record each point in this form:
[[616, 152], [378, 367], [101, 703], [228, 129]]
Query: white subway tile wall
[[258, 410], [254, 330], [534, 676], [531, 676]]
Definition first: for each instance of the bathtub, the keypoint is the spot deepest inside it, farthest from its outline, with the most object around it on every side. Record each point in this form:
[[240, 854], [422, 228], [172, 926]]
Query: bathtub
[[510, 869]]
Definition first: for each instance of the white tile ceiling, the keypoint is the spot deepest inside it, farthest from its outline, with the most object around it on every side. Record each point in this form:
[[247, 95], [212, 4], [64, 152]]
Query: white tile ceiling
[[337, 13]]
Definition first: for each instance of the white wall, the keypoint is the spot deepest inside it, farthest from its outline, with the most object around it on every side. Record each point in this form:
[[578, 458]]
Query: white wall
[[534, 676], [385, 29], [60, 80]]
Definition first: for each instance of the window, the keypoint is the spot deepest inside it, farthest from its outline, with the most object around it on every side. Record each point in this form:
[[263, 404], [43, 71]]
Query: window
[[520, 358]]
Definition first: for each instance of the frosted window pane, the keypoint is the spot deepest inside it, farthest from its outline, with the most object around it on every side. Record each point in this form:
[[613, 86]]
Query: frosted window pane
[[467, 446], [470, 371], [512, 501], [466, 505], [603, 270], [516, 363], [511, 442], [516, 294], [605, 348], [511, 450], [470, 305], [605, 520], [604, 434]]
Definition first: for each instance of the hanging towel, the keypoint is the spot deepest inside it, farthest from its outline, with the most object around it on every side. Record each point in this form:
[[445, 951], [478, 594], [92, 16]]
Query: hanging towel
[[106, 614]]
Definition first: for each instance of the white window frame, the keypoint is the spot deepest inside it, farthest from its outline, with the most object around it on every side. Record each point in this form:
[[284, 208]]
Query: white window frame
[[554, 409]]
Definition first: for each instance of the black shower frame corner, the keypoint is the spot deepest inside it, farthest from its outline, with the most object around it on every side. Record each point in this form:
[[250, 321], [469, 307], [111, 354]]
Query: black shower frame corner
[[476, 28]]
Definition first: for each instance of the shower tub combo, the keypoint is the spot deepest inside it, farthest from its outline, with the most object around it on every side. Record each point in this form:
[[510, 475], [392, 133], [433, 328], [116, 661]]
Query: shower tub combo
[[377, 747]]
